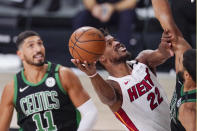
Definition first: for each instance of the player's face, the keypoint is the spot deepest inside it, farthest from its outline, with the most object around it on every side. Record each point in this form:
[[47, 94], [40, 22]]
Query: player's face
[[33, 51], [115, 51]]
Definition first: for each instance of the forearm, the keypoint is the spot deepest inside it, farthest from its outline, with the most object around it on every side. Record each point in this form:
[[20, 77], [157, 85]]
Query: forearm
[[181, 46], [4, 127], [179, 49], [152, 58], [163, 13], [89, 4], [157, 58], [125, 4], [105, 92]]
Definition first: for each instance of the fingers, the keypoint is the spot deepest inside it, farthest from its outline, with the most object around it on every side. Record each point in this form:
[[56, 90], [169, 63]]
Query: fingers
[[78, 64], [88, 68], [83, 65], [166, 34], [166, 43], [89, 65], [165, 40]]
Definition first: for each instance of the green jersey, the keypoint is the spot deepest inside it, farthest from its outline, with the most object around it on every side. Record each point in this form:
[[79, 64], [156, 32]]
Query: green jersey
[[44, 106]]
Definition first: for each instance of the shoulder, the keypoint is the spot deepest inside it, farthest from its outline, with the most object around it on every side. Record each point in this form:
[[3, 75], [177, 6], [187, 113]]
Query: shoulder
[[66, 72], [142, 56], [10, 85], [67, 77], [145, 57]]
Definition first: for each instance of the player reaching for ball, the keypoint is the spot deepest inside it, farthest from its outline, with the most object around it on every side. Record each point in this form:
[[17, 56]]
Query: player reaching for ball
[[132, 90], [46, 96]]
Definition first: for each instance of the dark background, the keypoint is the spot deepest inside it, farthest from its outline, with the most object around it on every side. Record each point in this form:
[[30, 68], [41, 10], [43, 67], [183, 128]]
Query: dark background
[[54, 24]]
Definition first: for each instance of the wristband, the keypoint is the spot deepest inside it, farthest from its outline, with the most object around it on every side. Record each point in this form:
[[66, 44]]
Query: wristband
[[93, 75]]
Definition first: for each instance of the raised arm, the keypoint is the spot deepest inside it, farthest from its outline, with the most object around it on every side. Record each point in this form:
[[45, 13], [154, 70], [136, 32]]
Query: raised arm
[[153, 58], [80, 99], [6, 107], [179, 48], [163, 13], [106, 90]]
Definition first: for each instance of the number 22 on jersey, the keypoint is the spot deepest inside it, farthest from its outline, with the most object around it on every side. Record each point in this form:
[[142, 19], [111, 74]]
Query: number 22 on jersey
[[152, 96]]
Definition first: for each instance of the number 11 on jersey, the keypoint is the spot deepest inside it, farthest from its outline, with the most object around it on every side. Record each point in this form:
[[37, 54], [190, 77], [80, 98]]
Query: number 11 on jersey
[[49, 118]]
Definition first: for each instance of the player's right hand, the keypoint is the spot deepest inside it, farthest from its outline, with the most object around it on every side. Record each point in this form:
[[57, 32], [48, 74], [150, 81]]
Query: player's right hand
[[88, 68]]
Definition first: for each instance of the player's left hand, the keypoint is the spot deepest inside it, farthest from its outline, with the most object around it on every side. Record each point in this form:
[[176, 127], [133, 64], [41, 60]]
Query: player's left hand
[[88, 68], [166, 45]]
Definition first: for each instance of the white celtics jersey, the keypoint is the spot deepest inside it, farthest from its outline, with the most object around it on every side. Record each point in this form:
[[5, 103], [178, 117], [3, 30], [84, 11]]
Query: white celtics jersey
[[145, 106]]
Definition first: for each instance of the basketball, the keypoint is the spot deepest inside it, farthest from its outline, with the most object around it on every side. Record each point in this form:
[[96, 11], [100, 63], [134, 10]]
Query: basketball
[[87, 44]]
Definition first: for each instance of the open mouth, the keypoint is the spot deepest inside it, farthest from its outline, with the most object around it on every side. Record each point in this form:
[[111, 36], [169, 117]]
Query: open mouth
[[38, 56], [120, 47]]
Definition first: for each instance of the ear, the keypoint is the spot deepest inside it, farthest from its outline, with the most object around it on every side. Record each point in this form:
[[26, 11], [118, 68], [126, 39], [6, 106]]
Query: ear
[[20, 54], [102, 59], [187, 75]]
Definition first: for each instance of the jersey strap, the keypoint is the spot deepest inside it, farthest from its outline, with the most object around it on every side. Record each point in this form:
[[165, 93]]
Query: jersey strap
[[189, 96]]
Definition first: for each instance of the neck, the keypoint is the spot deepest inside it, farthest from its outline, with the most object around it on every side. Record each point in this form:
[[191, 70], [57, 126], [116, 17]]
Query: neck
[[34, 74], [119, 70]]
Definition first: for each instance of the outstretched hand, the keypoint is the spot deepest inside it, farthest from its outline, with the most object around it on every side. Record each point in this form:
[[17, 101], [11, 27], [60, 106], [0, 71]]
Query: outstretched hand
[[166, 44], [88, 68]]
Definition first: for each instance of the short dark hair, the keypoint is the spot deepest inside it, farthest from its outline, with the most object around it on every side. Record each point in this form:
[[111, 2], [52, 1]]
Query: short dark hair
[[23, 35], [105, 31], [189, 62]]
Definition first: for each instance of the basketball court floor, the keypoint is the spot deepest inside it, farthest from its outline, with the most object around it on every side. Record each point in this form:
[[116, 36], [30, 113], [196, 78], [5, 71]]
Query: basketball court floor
[[106, 120]]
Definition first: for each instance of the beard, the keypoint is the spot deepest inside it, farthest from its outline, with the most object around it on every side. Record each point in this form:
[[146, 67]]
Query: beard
[[39, 63], [122, 59], [180, 76]]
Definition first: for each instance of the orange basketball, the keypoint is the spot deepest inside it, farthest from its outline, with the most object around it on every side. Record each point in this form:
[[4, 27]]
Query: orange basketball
[[87, 44]]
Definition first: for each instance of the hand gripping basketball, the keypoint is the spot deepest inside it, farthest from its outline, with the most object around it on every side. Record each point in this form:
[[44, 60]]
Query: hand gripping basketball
[[87, 44]]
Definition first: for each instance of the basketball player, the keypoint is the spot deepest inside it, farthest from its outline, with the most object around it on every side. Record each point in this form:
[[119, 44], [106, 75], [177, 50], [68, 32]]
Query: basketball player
[[132, 90], [183, 103], [46, 96]]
